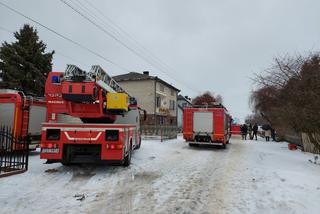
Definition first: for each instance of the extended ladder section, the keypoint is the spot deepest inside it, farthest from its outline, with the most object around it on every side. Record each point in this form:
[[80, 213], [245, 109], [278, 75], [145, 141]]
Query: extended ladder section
[[104, 80], [82, 87], [75, 74]]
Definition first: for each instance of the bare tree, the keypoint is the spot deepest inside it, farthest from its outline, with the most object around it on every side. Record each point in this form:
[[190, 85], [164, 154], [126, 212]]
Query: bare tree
[[288, 94], [207, 98]]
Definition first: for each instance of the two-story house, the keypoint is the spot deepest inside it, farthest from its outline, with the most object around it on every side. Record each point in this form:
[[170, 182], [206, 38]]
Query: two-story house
[[153, 94]]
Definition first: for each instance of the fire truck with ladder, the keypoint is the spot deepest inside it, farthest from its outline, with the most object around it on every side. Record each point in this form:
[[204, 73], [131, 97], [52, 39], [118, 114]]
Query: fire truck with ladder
[[90, 119], [206, 125]]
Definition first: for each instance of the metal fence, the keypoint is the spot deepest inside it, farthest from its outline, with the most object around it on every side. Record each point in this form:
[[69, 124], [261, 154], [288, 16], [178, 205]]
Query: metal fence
[[13, 153], [159, 132]]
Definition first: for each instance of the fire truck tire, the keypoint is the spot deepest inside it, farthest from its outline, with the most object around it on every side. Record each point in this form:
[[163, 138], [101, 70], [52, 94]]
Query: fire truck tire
[[224, 146], [192, 144], [138, 146], [127, 159]]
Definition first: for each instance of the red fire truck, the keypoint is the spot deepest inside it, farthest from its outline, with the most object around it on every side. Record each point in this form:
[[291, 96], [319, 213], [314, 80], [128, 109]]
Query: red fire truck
[[209, 125], [235, 129], [90, 119], [23, 114]]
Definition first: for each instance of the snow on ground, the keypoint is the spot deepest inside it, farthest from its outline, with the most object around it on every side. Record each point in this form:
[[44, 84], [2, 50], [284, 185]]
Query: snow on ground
[[171, 177]]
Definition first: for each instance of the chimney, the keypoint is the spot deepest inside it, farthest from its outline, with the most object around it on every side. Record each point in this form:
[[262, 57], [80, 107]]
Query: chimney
[[146, 73]]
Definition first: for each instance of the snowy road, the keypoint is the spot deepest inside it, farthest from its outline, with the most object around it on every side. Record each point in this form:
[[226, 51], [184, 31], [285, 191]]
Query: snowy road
[[170, 177]]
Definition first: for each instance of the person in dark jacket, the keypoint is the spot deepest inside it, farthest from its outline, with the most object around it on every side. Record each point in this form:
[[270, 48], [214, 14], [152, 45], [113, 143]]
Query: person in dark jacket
[[244, 131], [241, 131], [255, 131], [273, 134]]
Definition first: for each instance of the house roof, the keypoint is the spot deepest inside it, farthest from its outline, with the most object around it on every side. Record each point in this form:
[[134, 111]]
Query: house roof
[[135, 76], [180, 97]]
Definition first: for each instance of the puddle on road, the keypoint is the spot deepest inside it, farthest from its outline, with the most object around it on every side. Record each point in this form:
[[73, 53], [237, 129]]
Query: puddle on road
[[82, 174], [145, 176], [51, 170]]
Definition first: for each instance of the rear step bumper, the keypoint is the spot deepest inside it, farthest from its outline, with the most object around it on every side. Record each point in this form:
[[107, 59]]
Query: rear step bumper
[[84, 153]]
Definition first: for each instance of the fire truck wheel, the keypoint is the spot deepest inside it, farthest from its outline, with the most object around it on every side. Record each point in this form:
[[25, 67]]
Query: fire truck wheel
[[66, 163], [224, 146], [192, 144], [127, 159], [138, 146]]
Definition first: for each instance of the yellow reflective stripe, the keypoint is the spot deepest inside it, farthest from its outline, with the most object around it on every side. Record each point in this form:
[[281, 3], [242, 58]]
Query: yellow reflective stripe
[[15, 121]]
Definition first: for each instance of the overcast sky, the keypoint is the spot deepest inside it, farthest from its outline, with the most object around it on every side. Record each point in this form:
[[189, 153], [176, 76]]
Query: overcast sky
[[208, 44]]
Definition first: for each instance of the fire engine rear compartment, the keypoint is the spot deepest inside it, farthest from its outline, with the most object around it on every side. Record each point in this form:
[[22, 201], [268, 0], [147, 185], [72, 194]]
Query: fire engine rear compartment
[[203, 126], [208, 126], [87, 143]]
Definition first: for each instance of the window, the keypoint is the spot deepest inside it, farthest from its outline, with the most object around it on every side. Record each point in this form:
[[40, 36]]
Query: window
[[172, 92], [112, 135], [172, 105], [53, 134], [158, 102]]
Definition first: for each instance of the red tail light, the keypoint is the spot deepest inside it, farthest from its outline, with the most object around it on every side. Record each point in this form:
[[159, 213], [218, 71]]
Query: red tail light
[[48, 145], [114, 146]]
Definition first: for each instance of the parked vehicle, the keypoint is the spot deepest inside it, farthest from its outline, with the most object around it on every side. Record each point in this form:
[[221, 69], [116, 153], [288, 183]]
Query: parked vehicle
[[235, 129], [90, 119], [23, 114], [206, 125]]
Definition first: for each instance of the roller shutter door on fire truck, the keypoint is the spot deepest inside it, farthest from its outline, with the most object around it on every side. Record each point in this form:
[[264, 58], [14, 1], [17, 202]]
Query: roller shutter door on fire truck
[[203, 122], [7, 114], [37, 116]]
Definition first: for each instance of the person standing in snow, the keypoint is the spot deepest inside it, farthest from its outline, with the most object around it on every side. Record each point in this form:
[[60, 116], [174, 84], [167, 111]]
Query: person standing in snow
[[255, 131], [241, 131], [273, 134], [267, 133], [244, 131], [250, 131]]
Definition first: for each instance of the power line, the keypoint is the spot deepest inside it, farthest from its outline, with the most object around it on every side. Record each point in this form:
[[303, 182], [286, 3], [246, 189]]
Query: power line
[[71, 58], [65, 37], [126, 33], [106, 32], [151, 62], [136, 42], [5, 30], [56, 52], [121, 30]]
